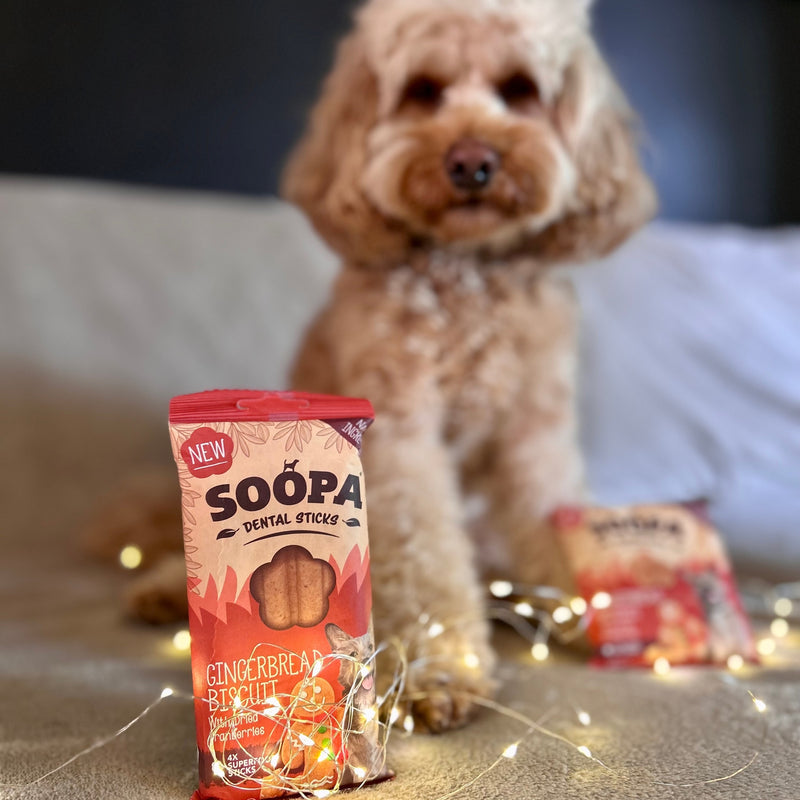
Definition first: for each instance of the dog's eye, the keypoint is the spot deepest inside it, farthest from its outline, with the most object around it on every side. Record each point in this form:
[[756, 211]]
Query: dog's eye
[[519, 91], [423, 91]]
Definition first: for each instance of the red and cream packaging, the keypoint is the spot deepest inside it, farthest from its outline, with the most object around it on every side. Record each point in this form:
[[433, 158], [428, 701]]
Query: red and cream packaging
[[277, 557], [658, 584]]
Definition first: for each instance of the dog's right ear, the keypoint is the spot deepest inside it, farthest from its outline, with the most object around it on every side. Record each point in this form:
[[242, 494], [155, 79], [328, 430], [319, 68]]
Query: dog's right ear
[[323, 175]]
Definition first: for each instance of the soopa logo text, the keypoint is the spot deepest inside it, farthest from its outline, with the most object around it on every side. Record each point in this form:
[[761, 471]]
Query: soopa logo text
[[288, 488]]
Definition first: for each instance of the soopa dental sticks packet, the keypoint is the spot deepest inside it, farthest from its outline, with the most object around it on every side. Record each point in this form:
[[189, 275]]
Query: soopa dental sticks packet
[[277, 557]]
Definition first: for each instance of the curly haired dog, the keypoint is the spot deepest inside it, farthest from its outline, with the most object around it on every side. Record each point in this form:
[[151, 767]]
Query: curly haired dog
[[461, 149]]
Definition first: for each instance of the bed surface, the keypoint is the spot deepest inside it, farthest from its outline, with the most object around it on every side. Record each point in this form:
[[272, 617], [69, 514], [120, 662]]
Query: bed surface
[[113, 300]]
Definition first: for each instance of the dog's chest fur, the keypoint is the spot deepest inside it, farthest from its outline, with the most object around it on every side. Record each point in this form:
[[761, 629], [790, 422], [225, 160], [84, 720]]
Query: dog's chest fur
[[478, 338]]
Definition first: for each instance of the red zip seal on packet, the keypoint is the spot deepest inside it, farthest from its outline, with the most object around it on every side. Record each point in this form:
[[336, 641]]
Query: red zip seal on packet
[[277, 558]]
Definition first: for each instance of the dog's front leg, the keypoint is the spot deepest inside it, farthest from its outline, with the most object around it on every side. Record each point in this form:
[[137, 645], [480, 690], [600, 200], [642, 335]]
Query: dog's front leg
[[538, 467], [426, 590]]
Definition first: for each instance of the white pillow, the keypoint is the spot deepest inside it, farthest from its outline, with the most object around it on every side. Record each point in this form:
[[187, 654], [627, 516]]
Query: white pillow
[[690, 380]]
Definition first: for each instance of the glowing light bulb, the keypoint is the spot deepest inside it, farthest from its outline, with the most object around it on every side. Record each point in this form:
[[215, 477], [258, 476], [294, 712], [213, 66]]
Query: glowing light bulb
[[561, 615], [766, 647], [584, 718], [325, 755], [540, 651], [394, 716], [584, 750], [472, 661], [130, 556], [273, 706], [601, 600], [322, 793], [359, 772], [436, 629], [408, 723], [364, 672], [218, 768], [317, 668], [783, 607], [274, 761], [166, 692], [579, 606], [760, 705], [237, 702], [369, 714], [182, 640], [735, 662], [306, 740], [501, 588], [510, 751], [661, 666], [524, 609], [779, 628]]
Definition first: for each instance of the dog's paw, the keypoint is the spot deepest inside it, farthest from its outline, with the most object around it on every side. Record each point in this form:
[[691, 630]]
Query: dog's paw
[[145, 511], [444, 691], [158, 596]]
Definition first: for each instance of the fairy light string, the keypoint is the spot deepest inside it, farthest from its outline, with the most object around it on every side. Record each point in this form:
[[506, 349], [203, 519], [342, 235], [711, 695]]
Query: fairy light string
[[533, 613]]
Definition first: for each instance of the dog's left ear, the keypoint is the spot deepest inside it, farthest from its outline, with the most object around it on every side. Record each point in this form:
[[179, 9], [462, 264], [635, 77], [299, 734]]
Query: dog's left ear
[[337, 638], [613, 195], [324, 172]]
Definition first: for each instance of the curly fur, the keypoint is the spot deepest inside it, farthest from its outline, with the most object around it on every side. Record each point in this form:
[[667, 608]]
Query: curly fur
[[446, 314]]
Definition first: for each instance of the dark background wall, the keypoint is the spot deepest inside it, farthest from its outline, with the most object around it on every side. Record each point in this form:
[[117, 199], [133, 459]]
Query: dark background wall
[[211, 93]]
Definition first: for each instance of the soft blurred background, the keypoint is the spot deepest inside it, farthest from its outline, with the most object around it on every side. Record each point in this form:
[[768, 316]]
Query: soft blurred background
[[171, 270]]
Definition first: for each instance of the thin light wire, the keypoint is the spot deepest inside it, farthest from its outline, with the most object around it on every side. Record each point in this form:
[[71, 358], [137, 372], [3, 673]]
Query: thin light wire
[[95, 746]]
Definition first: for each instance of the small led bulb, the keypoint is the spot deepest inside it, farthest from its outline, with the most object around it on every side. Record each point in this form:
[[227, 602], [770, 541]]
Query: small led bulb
[[130, 556], [510, 751], [735, 662], [501, 588], [562, 614], [540, 651], [524, 609], [661, 666], [579, 606]]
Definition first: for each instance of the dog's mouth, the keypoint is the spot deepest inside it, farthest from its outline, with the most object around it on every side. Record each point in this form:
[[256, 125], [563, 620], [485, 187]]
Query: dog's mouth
[[472, 217], [368, 682]]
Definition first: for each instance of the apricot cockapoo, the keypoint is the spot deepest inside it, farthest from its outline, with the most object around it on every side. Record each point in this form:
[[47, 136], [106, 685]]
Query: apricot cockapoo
[[461, 149]]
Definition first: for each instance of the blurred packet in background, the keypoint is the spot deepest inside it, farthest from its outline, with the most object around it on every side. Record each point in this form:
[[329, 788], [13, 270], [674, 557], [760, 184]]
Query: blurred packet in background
[[658, 585]]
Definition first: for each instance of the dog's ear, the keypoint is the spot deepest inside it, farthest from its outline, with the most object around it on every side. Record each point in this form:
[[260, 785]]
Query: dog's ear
[[337, 638], [323, 175], [613, 195]]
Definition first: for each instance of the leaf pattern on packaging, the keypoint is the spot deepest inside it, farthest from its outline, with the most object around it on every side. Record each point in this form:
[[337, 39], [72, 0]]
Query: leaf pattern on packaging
[[243, 435], [297, 434], [180, 434], [333, 438]]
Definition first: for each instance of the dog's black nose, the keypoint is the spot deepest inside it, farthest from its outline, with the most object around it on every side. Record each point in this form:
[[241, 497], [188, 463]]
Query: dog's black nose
[[471, 164]]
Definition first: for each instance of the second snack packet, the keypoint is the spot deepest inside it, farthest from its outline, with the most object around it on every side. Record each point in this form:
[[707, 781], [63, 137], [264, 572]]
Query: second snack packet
[[277, 556]]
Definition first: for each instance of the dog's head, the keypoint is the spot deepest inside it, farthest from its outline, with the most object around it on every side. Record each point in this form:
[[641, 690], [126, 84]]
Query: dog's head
[[471, 123]]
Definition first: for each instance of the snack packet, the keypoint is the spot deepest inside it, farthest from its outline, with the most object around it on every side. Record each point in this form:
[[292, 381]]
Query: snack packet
[[277, 557], [658, 584]]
